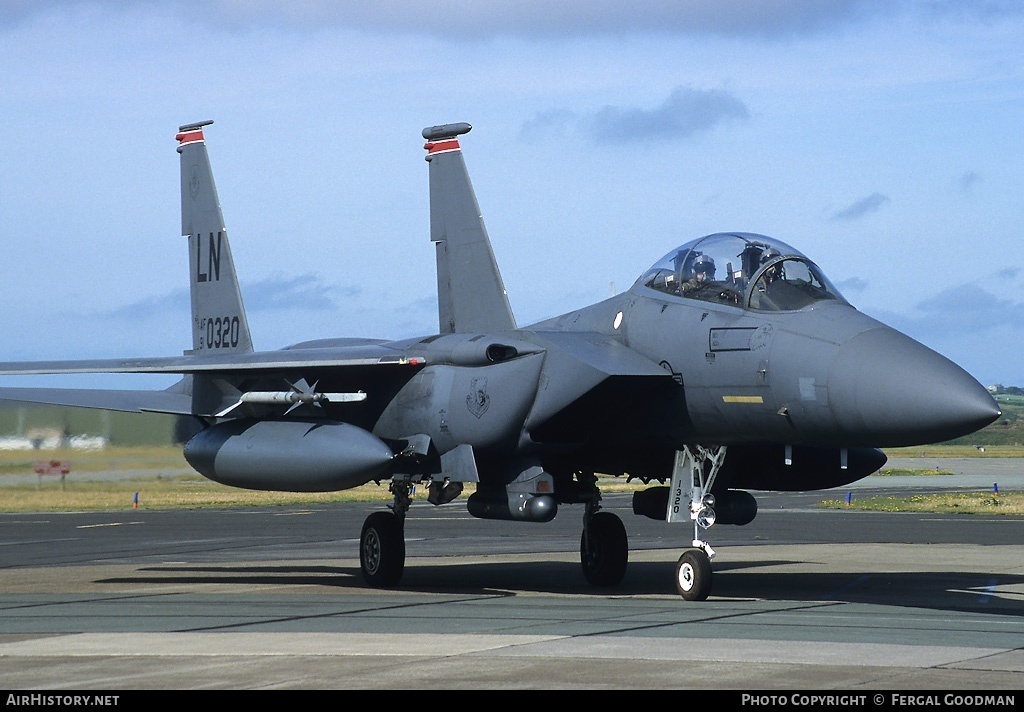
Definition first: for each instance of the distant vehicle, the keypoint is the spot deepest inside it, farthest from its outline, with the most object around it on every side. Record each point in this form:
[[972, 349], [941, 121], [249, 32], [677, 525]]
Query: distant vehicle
[[732, 364]]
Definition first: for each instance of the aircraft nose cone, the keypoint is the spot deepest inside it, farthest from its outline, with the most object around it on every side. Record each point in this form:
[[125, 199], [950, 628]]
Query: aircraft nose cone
[[890, 390]]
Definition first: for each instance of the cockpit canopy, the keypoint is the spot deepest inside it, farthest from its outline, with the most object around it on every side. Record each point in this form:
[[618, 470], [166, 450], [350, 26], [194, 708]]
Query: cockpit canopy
[[741, 269]]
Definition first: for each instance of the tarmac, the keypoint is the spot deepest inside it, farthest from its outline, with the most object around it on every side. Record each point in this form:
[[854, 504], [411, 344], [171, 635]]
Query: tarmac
[[804, 599]]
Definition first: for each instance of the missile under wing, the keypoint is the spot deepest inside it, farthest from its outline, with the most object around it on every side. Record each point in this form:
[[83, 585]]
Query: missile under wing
[[732, 365]]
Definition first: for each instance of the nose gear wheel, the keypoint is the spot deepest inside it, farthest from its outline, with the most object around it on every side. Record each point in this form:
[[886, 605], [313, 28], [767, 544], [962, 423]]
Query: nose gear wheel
[[693, 575]]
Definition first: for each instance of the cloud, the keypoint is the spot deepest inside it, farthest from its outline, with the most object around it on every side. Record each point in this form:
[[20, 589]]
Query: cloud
[[969, 303], [685, 112], [552, 123], [560, 18], [865, 206], [150, 307], [557, 19], [303, 292], [962, 309], [970, 325], [15, 12], [853, 284], [967, 181]]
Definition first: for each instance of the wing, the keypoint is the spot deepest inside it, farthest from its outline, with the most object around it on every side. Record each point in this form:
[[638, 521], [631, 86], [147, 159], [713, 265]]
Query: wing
[[285, 359], [287, 371], [128, 401]]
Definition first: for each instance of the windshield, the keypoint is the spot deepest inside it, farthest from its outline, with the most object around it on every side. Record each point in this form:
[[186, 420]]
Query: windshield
[[743, 270]]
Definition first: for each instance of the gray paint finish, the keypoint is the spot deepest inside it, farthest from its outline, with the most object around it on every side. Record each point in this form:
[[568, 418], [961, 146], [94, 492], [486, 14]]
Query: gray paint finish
[[733, 349]]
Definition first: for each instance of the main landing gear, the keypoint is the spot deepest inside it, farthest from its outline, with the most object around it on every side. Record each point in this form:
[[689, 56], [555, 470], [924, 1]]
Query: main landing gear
[[604, 549], [382, 541], [693, 476]]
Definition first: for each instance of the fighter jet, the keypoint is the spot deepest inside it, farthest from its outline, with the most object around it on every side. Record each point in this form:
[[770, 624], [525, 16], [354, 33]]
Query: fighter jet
[[732, 365]]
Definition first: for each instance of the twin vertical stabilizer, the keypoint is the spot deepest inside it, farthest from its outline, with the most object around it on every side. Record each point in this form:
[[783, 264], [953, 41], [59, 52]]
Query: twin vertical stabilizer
[[219, 325], [470, 293]]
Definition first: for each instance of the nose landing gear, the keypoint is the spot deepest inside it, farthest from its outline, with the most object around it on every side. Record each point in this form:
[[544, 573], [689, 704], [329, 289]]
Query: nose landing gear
[[693, 476]]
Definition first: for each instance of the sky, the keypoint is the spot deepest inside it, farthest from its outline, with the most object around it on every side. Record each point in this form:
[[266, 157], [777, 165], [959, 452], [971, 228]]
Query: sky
[[881, 138]]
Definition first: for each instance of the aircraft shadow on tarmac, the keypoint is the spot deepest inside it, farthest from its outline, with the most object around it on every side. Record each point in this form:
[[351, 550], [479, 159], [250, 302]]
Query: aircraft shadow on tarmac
[[953, 591]]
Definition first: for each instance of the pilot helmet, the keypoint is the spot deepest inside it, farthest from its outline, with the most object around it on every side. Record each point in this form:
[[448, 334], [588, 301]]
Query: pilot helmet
[[704, 265], [775, 271]]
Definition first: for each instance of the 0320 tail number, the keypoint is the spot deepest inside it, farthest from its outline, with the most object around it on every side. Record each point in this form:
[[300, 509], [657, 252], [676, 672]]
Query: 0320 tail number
[[219, 332]]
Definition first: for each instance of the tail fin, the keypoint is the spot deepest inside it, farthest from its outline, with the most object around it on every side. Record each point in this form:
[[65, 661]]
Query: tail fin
[[218, 317], [470, 293]]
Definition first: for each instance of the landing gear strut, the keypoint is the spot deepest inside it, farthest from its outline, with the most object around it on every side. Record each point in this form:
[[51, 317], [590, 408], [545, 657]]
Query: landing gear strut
[[382, 541], [693, 476], [604, 550]]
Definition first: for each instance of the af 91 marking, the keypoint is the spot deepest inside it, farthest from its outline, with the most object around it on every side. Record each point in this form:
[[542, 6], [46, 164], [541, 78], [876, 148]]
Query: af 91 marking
[[220, 332]]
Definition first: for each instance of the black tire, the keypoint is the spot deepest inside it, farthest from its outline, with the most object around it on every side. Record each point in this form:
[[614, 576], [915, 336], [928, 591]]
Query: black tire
[[382, 549], [693, 575], [604, 561]]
